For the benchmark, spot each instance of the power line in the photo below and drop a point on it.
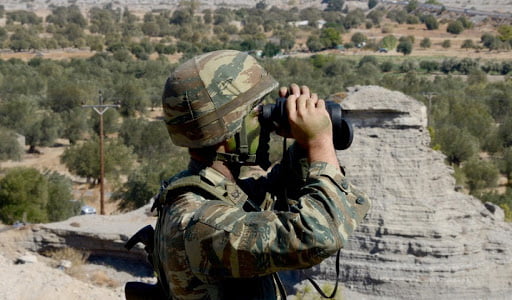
(101, 108)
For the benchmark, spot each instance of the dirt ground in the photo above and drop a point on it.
(41, 279)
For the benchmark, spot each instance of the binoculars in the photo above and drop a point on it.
(273, 116)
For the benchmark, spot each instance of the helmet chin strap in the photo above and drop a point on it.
(241, 156)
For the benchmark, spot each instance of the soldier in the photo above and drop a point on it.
(219, 236)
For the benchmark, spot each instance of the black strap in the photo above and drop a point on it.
(280, 286)
(319, 290)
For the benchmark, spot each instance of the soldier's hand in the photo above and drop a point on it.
(311, 125)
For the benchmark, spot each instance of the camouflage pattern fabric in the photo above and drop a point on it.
(206, 98)
(206, 248)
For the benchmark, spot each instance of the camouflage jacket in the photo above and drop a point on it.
(211, 248)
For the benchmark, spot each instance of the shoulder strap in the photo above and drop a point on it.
(193, 183)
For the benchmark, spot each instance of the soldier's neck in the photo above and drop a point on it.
(222, 168)
(204, 158)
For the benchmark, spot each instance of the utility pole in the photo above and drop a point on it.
(101, 108)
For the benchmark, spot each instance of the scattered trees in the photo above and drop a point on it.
(40, 96)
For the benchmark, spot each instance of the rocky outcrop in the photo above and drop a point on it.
(97, 235)
(422, 239)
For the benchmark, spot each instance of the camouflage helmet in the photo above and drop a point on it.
(206, 98)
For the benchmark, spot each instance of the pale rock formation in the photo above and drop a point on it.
(421, 239)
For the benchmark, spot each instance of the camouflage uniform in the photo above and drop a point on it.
(215, 249)
(217, 239)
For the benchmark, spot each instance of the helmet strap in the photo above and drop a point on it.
(234, 158)
(241, 154)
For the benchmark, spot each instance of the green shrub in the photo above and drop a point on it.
(480, 174)
(28, 195)
(455, 27)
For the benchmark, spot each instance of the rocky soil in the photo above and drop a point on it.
(96, 266)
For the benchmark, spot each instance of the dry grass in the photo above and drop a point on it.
(79, 268)
(76, 257)
(99, 278)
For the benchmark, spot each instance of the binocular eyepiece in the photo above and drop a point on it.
(275, 115)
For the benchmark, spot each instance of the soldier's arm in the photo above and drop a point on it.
(224, 241)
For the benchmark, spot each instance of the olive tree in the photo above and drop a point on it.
(9, 146)
(23, 194)
(480, 174)
(404, 47)
(84, 159)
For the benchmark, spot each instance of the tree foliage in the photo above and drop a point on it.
(59, 205)
(26, 194)
(23, 195)
(389, 42)
(425, 43)
(84, 159)
(404, 47)
(372, 3)
(505, 32)
(9, 146)
(431, 22)
(455, 27)
(458, 144)
(480, 174)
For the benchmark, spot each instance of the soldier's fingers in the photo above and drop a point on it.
(320, 104)
(311, 102)
(302, 102)
(283, 92)
(304, 90)
(294, 90)
(314, 98)
(291, 105)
